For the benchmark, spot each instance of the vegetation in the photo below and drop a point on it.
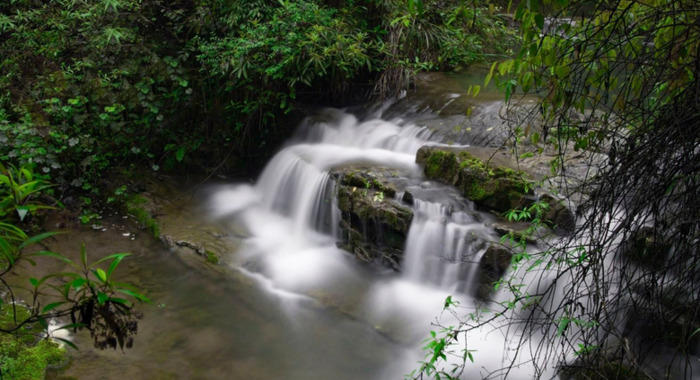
(99, 87)
(620, 78)
(86, 293)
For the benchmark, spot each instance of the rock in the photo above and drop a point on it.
(647, 247)
(492, 267)
(518, 229)
(559, 217)
(374, 224)
(485, 182)
(407, 198)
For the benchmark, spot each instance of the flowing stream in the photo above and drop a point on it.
(287, 303)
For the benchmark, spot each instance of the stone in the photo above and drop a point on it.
(492, 266)
(647, 247)
(559, 217)
(487, 183)
(374, 224)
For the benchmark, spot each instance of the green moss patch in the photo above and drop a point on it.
(21, 356)
(496, 187)
(136, 207)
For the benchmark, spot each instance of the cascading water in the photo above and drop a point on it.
(292, 219)
(444, 247)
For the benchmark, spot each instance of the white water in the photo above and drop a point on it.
(292, 219)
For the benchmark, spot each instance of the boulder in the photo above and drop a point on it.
(558, 217)
(492, 267)
(647, 247)
(374, 224)
(488, 184)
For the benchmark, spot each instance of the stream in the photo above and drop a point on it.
(285, 302)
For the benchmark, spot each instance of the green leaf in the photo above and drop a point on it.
(136, 295)
(50, 254)
(52, 306)
(101, 274)
(102, 298)
(83, 255)
(118, 258)
(180, 154)
(110, 257)
(22, 211)
(35, 239)
(539, 20)
(78, 282)
(119, 300)
(563, 324)
(67, 343)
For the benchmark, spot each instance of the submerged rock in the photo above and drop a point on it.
(374, 225)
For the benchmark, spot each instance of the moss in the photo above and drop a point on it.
(442, 165)
(21, 357)
(135, 208)
(212, 257)
(366, 181)
(495, 187)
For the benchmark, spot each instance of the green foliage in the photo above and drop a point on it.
(20, 192)
(83, 89)
(89, 294)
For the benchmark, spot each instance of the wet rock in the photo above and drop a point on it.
(647, 247)
(519, 230)
(559, 217)
(492, 267)
(407, 198)
(374, 225)
(485, 182)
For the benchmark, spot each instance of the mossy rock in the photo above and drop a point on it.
(374, 225)
(362, 179)
(495, 187)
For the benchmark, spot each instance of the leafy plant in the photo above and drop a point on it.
(20, 192)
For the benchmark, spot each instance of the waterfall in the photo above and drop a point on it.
(292, 217)
(444, 247)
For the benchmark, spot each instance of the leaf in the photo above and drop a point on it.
(109, 257)
(83, 255)
(102, 298)
(37, 238)
(100, 274)
(539, 20)
(52, 306)
(136, 295)
(67, 343)
(119, 300)
(563, 324)
(180, 154)
(78, 282)
(22, 211)
(50, 254)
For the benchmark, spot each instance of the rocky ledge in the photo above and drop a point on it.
(492, 180)
(374, 224)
